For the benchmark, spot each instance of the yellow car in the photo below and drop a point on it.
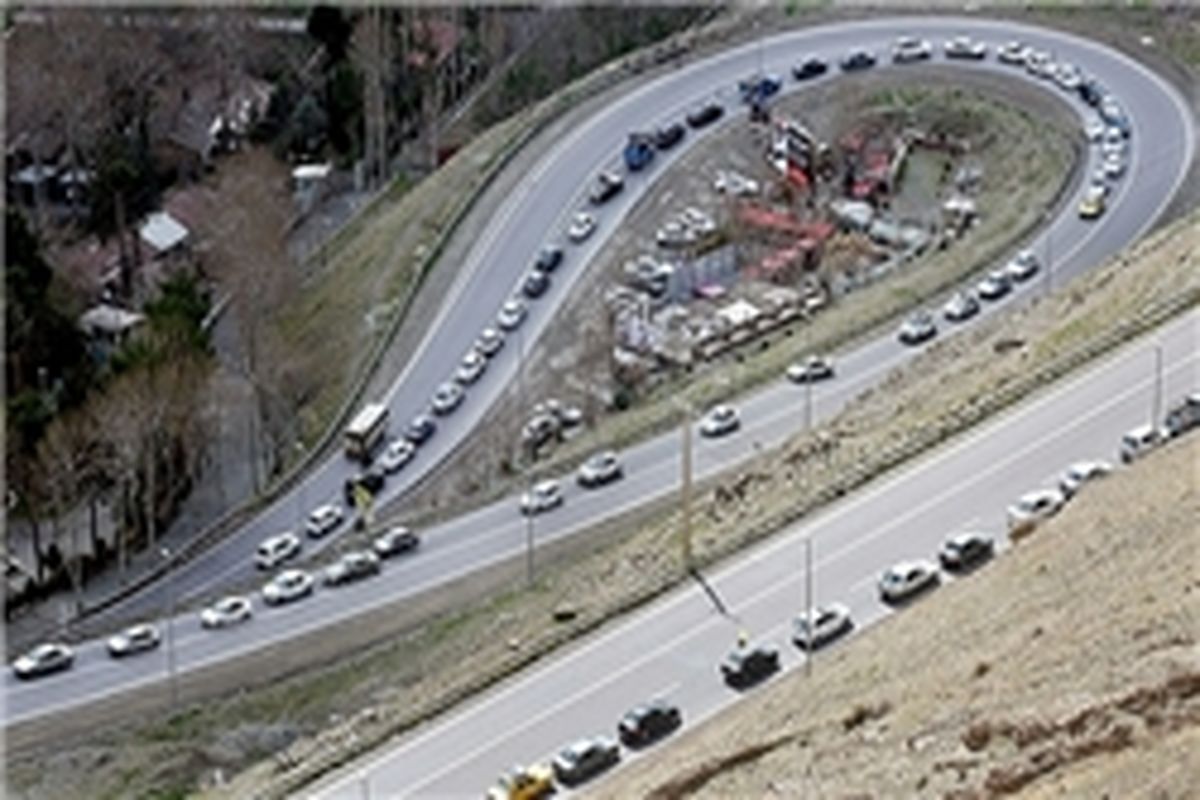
(524, 783)
(1092, 205)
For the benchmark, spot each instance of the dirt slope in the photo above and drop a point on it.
(1069, 667)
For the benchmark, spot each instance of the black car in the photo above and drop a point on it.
(858, 60)
(549, 257)
(648, 723)
(1091, 92)
(668, 136)
(396, 541)
(372, 480)
(747, 666)
(706, 114)
(420, 429)
(809, 68)
(608, 185)
(965, 550)
(585, 758)
(535, 284)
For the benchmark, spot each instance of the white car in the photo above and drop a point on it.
(675, 233)
(1012, 53)
(1082, 472)
(910, 48)
(582, 226)
(448, 397)
(1034, 507)
(699, 222)
(995, 285)
(826, 623)
(226, 612)
(1141, 440)
(964, 47)
(395, 541)
(1094, 131)
(601, 468)
(396, 455)
(274, 551)
(961, 307)
(719, 421)
(1068, 77)
(289, 585)
(512, 314)
(489, 342)
(811, 370)
(1114, 165)
(907, 579)
(735, 184)
(1023, 266)
(917, 328)
(544, 496)
(44, 659)
(134, 639)
(470, 368)
(322, 520)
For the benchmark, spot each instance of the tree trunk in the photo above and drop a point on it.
(36, 533)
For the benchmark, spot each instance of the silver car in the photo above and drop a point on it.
(600, 469)
(825, 624)
(512, 314)
(352, 566)
(43, 660)
(448, 397)
(544, 496)
(489, 342)
(226, 612)
(719, 421)
(1034, 507)
(288, 586)
(1082, 472)
(470, 368)
(907, 579)
(135, 639)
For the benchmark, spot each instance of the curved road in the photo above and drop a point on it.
(1162, 145)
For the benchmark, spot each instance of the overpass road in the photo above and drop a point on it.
(1162, 146)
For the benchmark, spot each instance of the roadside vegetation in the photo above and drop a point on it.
(297, 727)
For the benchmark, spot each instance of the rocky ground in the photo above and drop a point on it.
(1068, 667)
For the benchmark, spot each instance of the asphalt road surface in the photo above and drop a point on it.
(672, 648)
(1161, 148)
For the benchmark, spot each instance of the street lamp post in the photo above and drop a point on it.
(808, 603)
(529, 511)
(174, 687)
(1156, 409)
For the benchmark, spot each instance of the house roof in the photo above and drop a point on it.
(162, 231)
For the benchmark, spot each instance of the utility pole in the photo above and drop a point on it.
(808, 603)
(529, 512)
(1156, 410)
(174, 686)
(686, 488)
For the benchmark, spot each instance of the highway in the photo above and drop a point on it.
(1162, 148)
(672, 648)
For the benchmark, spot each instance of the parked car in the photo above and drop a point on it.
(396, 541)
(1068, 77)
(1034, 507)
(448, 397)
(705, 114)
(648, 723)
(470, 368)
(524, 783)
(396, 455)
(746, 666)
(548, 258)
(323, 519)
(964, 47)
(966, 550)
(758, 88)
(1093, 204)
(668, 136)
(43, 660)
(420, 429)
(133, 640)
(858, 60)
(489, 342)
(513, 312)
(810, 68)
(995, 285)
(607, 186)
(908, 49)
(1090, 91)
(825, 624)
(1023, 266)
(288, 586)
(583, 759)
(582, 226)
(961, 307)
(736, 184)
(543, 496)
(1082, 472)
(371, 479)
(276, 550)
(1141, 440)
(1114, 166)
(1183, 415)
(600, 469)
(352, 566)
(918, 328)
(1012, 52)
(226, 612)
(719, 421)
(907, 579)
(811, 370)
(535, 284)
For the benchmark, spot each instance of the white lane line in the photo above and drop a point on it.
(785, 541)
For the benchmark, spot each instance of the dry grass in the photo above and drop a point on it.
(1081, 677)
